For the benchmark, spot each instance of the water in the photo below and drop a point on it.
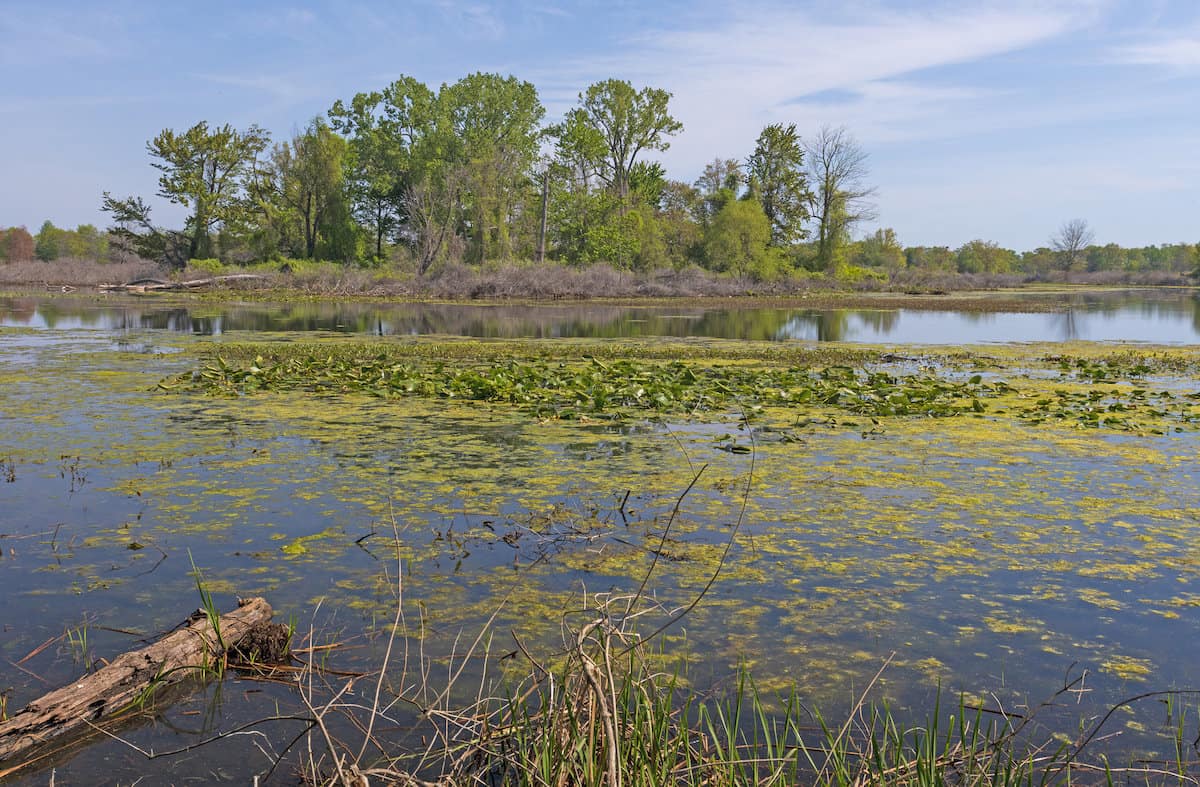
(1156, 316)
(988, 556)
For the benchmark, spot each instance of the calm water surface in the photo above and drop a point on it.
(983, 557)
(1163, 317)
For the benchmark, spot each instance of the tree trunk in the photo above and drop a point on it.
(188, 652)
(541, 252)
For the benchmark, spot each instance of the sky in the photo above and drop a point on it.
(982, 119)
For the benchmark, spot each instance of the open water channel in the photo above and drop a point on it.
(979, 555)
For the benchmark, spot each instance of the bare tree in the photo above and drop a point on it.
(837, 172)
(1072, 238)
(431, 204)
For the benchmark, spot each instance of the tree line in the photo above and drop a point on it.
(470, 172)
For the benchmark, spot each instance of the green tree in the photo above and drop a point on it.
(629, 122)
(87, 243)
(206, 171)
(718, 185)
(134, 233)
(388, 130)
(574, 177)
(1109, 257)
(880, 249)
(737, 239)
(308, 186)
(930, 258)
(980, 256)
(837, 172)
(777, 180)
(49, 243)
(682, 235)
(494, 121)
(1039, 262)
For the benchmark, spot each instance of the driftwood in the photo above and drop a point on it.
(158, 285)
(126, 682)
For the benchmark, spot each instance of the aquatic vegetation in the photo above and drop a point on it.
(989, 549)
(602, 389)
(615, 387)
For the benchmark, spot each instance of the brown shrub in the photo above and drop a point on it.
(78, 273)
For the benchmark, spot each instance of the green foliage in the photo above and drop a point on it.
(433, 176)
(979, 256)
(211, 266)
(49, 243)
(720, 183)
(853, 274)
(303, 197)
(837, 170)
(495, 122)
(627, 122)
(596, 389)
(881, 249)
(777, 180)
(737, 238)
(207, 171)
(135, 233)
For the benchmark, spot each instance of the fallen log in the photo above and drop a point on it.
(154, 285)
(189, 652)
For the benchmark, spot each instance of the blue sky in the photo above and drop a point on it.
(989, 119)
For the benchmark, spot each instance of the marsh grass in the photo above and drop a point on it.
(603, 715)
(601, 711)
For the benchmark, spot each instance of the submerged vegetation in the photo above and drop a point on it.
(977, 519)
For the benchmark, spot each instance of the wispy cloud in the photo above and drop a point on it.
(31, 36)
(475, 19)
(733, 72)
(1178, 52)
(285, 89)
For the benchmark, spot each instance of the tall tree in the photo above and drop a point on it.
(204, 170)
(777, 180)
(308, 175)
(837, 172)
(574, 172)
(49, 242)
(719, 184)
(1072, 238)
(495, 124)
(385, 128)
(628, 122)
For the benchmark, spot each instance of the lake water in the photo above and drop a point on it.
(1157, 316)
(983, 555)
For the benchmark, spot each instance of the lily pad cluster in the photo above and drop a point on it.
(603, 389)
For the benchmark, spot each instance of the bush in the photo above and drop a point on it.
(212, 267)
(856, 274)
